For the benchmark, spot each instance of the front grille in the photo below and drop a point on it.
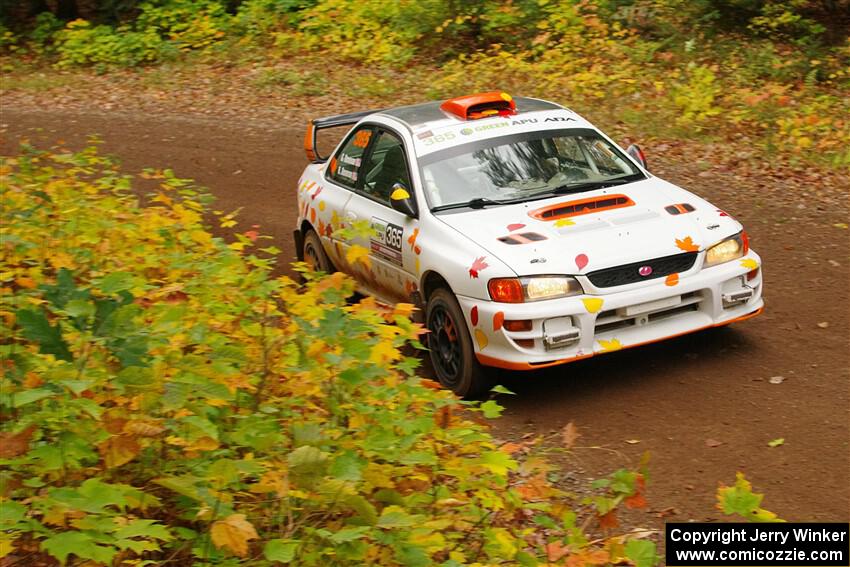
(632, 273)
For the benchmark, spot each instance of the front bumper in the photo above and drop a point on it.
(572, 328)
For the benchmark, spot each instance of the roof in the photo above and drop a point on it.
(419, 114)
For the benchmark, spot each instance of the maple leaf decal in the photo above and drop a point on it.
(687, 244)
(412, 238)
(478, 265)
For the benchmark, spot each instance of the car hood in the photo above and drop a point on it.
(629, 223)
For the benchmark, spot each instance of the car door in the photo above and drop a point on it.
(391, 242)
(342, 176)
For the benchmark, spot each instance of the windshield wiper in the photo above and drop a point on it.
(600, 184)
(477, 203)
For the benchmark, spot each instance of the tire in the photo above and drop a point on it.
(314, 253)
(450, 347)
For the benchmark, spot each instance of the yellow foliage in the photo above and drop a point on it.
(233, 533)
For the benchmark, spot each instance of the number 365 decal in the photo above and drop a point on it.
(386, 240)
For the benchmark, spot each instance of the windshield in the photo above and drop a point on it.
(523, 167)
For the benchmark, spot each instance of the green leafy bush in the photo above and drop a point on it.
(164, 397)
(79, 43)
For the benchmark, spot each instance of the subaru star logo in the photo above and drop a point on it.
(645, 270)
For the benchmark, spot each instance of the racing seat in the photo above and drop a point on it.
(393, 170)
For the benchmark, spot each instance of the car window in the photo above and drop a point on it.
(385, 166)
(524, 166)
(344, 168)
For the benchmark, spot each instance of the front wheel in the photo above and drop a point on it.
(450, 346)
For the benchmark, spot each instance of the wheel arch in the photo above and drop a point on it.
(432, 281)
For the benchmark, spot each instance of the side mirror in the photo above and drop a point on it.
(638, 155)
(402, 201)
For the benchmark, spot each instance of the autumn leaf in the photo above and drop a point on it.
(118, 450)
(357, 253)
(569, 435)
(143, 428)
(443, 417)
(478, 265)
(687, 244)
(635, 501)
(588, 558)
(233, 533)
(14, 444)
(556, 550)
(609, 520)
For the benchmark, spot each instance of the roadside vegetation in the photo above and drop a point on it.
(166, 401)
(771, 77)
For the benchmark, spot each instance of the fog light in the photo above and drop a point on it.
(525, 343)
(752, 274)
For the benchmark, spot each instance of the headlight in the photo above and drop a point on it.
(728, 250)
(532, 288)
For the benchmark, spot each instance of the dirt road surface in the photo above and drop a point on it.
(703, 405)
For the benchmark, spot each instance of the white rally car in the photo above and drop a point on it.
(526, 235)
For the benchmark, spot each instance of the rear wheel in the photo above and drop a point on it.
(450, 346)
(314, 254)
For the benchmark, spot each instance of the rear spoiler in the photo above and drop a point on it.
(317, 124)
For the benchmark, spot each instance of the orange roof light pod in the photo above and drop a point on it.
(481, 105)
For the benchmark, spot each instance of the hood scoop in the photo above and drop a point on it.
(581, 207)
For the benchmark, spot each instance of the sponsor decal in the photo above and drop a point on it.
(349, 160)
(385, 241)
(348, 173)
(483, 127)
(361, 138)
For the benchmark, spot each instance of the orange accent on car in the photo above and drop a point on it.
(581, 207)
(480, 105)
(498, 320)
(361, 138)
(508, 365)
(506, 290)
(745, 239)
(308, 143)
(517, 325)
